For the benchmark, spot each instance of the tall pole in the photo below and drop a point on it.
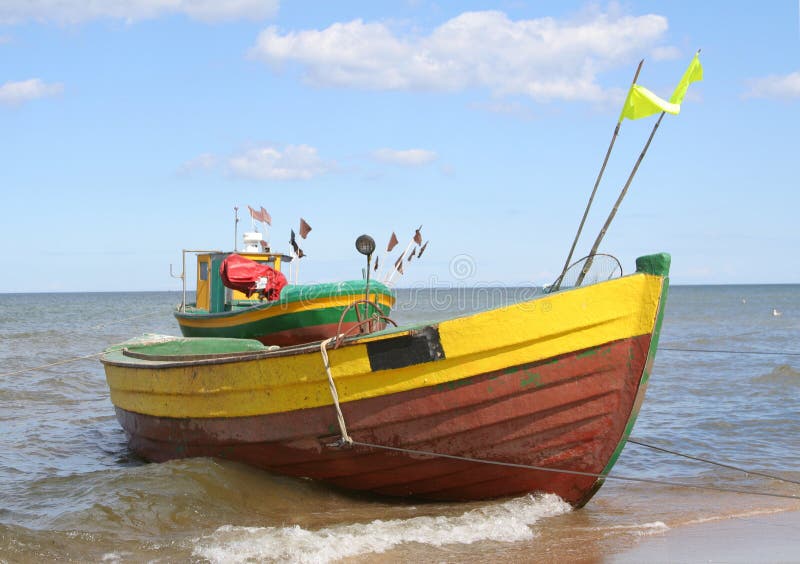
(594, 190)
(235, 228)
(366, 294)
(624, 191)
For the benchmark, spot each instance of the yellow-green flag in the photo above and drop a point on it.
(641, 103)
(692, 74)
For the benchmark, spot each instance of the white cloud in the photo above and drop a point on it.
(206, 161)
(15, 93)
(514, 109)
(294, 162)
(775, 86)
(665, 53)
(542, 58)
(408, 157)
(77, 11)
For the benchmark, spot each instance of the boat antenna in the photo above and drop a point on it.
(235, 228)
(594, 190)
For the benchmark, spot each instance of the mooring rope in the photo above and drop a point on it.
(714, 462)
(50, 365)
(722, 351)
(571, 472)
(118, 346)
(77, 358)
(101, 325)
(323, 349)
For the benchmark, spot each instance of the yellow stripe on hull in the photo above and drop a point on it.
(246, 316)
(532, 331)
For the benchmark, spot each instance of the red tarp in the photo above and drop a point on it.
(242, 274)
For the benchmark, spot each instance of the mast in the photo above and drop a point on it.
(594, 190)
(624, 191)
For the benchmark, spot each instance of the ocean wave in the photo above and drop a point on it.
(781, 374)
(509, 521)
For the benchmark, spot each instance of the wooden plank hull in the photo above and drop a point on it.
(563, 413)
(303, 314)
(555, 382)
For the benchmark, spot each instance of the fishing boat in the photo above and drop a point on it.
(260, 303)
(535, 396)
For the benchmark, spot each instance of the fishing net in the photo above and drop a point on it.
(588, 270)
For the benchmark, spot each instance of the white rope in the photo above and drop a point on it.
(106, 324)
(43, 366)
(573, 472)
(323, 349)
(143, 340)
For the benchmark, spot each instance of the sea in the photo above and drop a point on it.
(725, 388)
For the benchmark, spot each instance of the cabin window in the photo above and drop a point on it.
(203, 271)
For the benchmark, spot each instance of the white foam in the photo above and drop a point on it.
(508, 521)
(739, 515)
(652, 528)
(638, 529)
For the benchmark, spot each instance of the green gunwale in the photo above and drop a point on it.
(192, 347)
(274, 324)
(297, 293)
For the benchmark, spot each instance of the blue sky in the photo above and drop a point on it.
(130, 130)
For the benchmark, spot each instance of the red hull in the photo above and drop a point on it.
(568, 413)
(310, 334)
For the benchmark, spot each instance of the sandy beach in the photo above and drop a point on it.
(762, 537)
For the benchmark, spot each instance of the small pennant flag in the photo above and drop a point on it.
(692, 74)
(642, 103)
(398, 266)
(297, 250)
(265, 217)
(255, 214)
(392, 243)
(377, 260)
(304, 228)
(412, 255)
(422, 249)
(418, 236)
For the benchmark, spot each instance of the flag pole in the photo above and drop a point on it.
(390, 275)
(624, 191)
(235, 228)
(594, 190)
(383, 260)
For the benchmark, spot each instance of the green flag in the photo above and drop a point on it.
(692, 74)
(641, 103)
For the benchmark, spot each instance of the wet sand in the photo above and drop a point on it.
(770, 538)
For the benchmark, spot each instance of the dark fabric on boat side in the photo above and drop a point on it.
(421, 346)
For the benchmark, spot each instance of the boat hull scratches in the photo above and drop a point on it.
(566, 413)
